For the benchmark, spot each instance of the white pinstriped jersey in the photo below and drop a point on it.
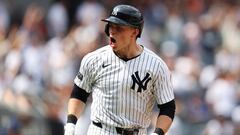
(124, 92)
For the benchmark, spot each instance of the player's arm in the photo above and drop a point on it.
(76, 105)
(165, 118)
(77, 101)
(165, 98)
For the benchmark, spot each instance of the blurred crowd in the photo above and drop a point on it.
(40, 53)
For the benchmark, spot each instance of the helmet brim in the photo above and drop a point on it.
(115, 20)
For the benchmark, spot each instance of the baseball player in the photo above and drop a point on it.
(125, 79)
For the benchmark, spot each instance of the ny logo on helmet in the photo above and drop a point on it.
(115, 12)
(142, 84)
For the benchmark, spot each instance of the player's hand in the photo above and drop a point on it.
(69, 129)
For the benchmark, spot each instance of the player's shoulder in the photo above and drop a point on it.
(156, 58)
(152, 55)
(96, 54)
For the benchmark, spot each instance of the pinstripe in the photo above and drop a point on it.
(126, 105)
(140, 68)
(114, 87)
(131, 113)
(115, 103)
(137, 98)
(123, 96)
(117, 87)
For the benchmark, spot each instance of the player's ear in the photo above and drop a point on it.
(135, 33)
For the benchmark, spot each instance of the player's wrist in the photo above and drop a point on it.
(70, 125)
(72, 119)
(158, 131)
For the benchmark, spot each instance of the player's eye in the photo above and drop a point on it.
(117, 28)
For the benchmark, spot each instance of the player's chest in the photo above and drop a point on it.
(118, 76)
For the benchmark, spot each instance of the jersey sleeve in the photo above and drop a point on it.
(84, 77)
(163, 88)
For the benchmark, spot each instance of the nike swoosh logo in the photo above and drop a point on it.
(103, 65)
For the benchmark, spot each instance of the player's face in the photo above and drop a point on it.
(121, 36)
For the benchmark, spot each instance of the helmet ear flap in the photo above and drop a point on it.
(107, 29)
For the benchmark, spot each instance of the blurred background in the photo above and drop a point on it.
(42, 44)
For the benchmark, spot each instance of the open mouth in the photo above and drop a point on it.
(112, 42)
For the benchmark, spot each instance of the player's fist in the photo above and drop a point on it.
(69, 129)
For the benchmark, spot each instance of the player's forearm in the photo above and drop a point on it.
(75, 107)
(165, 117)
(77, 101)
(164, 123)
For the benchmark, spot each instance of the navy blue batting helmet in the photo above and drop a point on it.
(125, 15)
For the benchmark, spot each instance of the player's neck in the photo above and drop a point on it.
(129, 52)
